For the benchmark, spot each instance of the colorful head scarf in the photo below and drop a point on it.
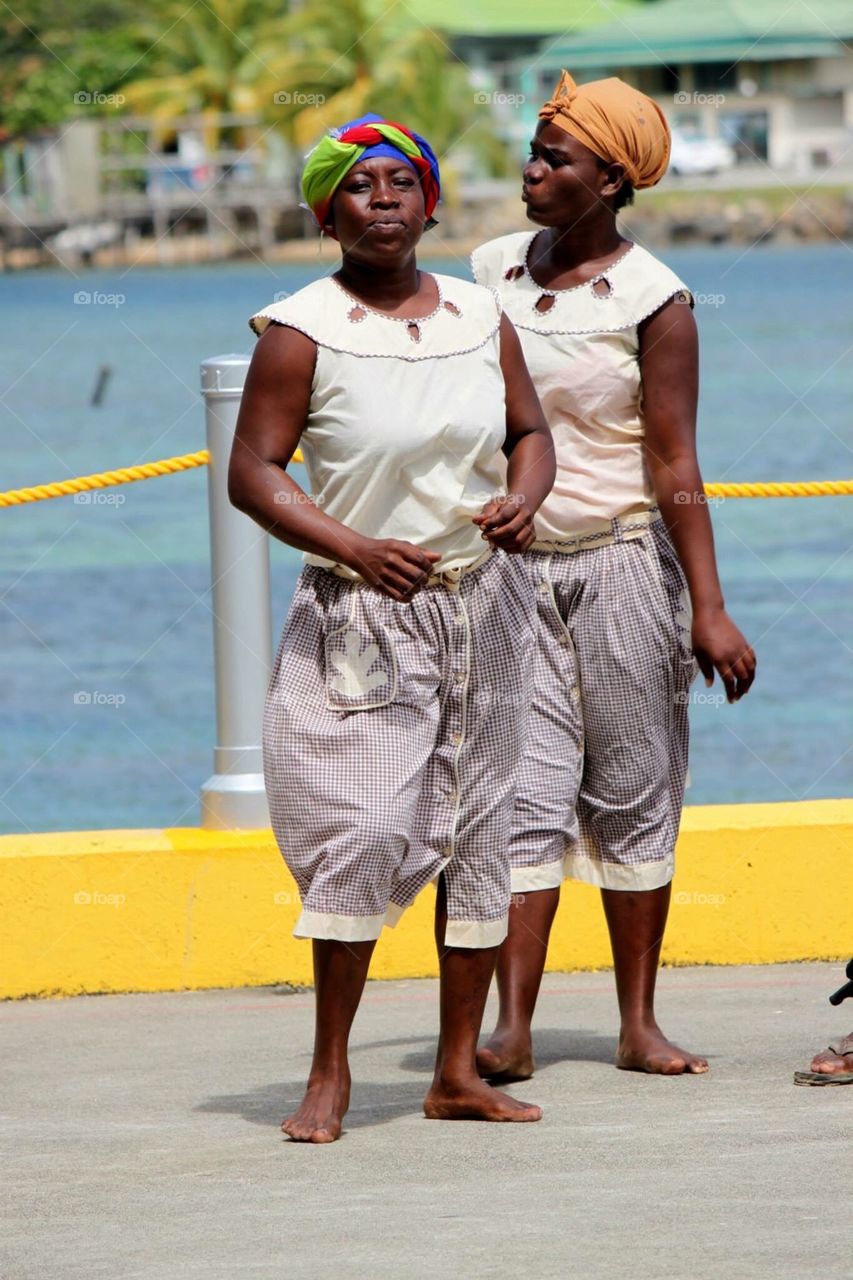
(615, 121)
(333, 157)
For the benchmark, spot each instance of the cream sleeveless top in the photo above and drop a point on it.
(583, 356)
(405, 423)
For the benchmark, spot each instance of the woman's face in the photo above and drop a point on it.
(378, 211)
(562, 180)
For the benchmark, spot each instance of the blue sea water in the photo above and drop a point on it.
(112, 597)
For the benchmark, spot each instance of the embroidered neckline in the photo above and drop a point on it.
(412, 325)
(648, 287)
(521, 323)
(585, 284)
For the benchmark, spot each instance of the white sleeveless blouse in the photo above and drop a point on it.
(583, 356)
(405, 425)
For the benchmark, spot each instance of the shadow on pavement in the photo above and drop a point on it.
(371, 1103)
(551, 1045)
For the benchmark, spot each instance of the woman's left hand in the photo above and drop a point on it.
(507, 523)
(720, 646)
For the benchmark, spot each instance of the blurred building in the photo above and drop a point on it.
(772, 78)
(502, 43)
(88, 184)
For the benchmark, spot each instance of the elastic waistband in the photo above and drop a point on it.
(447, 578)
(619, 529)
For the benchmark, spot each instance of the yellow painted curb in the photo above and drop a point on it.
(158, 910)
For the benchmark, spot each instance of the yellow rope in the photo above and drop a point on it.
(103, 479)
(165, 467)
(781, 489)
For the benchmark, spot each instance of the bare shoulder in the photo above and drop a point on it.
(281, 351)
(673, 323)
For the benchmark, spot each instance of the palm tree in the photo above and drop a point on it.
(345, 62)
(323, 62)
(206, 59)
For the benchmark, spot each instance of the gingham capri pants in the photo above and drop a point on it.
(601, 784)
(391, 743)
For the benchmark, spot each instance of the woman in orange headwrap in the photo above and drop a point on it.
(624, 555)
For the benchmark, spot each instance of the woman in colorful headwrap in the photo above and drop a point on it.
(391, 735)
(623, 548)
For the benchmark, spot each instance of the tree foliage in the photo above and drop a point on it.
(299, 69)
(51, 50)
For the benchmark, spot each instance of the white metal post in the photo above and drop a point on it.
(234, 797)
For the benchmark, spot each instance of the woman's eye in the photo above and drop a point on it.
(548, 158)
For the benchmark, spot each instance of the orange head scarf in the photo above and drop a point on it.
(615, 121)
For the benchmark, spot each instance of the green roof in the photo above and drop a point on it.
(673, 31)
(512, 17)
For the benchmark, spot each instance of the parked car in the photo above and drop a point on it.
(696, 153)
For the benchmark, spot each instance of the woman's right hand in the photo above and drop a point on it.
(719, 646)
(397, 569)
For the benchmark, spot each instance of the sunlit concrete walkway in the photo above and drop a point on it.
(141, 1139)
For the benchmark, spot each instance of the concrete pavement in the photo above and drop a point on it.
(141, 1140)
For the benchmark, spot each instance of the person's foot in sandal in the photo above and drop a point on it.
(833, 1066)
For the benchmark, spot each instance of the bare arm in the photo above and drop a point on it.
(272, 418)
(669, 360)
(508, 522)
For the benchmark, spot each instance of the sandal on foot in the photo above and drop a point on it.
(843, 1049)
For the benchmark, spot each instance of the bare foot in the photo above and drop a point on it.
(647, 1049)
(474, 1100)
(831, 1063)
(320, 1116)
(507, 1056)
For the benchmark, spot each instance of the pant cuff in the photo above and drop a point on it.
(475, 933)
(394, 915)
(616, 875)
(317, 924)
(592, 870)
(548, 875)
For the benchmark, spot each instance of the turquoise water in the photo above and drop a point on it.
(112, 598)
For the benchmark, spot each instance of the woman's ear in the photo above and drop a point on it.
(614, 177)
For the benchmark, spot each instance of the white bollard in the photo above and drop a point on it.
(234, 797)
